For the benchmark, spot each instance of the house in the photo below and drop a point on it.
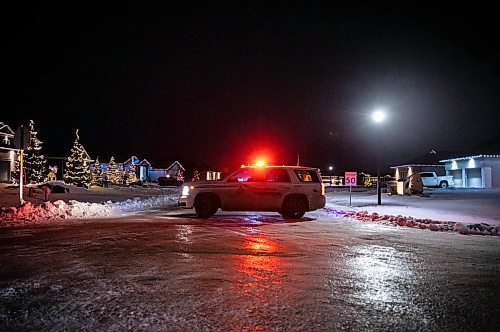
(425, 163)
(170, 172)
(478, 167)
(142, 167)
(204, 171)
(144, 170)
(475, 171)
(8, 153)
(428, 162)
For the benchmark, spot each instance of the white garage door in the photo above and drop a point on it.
(474, 178)
(4, 171)
(457, 178)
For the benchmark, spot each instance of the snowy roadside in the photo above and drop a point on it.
(39, 213)
(434, 214)
(81, 203)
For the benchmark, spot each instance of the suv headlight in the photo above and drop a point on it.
(185, 190)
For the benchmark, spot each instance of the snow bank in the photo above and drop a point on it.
(32, 213)
(420, 223)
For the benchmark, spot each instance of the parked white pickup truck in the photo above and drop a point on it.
(430, 179)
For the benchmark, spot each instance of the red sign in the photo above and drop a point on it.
(351, 179)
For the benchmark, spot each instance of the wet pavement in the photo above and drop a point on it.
(167, 270)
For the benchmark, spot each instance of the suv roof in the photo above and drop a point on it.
(278, 166)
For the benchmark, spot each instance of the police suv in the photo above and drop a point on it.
(289, 190)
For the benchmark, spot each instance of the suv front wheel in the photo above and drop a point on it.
(205, 205)
(293, 207)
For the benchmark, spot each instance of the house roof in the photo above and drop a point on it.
(6, 138)
(473, 157)
(6, 130)
(176, 162)
(144, 162)
(417, 165)
(131, 160)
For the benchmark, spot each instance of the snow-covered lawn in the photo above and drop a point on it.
(467, 211)
(81, 203)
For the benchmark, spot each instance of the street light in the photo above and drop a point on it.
(330, 168)
(378, 117)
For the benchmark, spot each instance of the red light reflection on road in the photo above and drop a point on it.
(261, 265)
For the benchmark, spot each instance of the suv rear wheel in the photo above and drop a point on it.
(293, 207)
(205, 206)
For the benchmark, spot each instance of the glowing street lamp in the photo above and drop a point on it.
(378, 117)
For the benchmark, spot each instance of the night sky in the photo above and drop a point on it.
(222, 85)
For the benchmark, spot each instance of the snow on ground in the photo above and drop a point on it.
(467, 211)
(82, 203)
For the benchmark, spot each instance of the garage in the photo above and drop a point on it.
(474, 178)
(4, 171)
(457, 177)
(478, 171)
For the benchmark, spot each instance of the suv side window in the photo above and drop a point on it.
(307, 175)
(426, 175)
(241, 176)
(249, 175)
(278, 175)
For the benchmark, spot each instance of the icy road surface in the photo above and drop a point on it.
(169, 271)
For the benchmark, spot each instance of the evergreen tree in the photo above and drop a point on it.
(180, 175)
(15, 172)
(96, 173)
(132, 177)
(196, 176)
(119, 174)
(77, 170)
(112, 170)
(34, 160)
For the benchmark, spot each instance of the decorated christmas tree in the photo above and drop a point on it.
(77, 169)
(132, 177)
(34, 160)
(196, 176)
(112, 171)
(119, 174)
(180, 175)
(15, 172)
(96, 173)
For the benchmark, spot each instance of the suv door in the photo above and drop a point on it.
(272, 191)
(241, 192)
